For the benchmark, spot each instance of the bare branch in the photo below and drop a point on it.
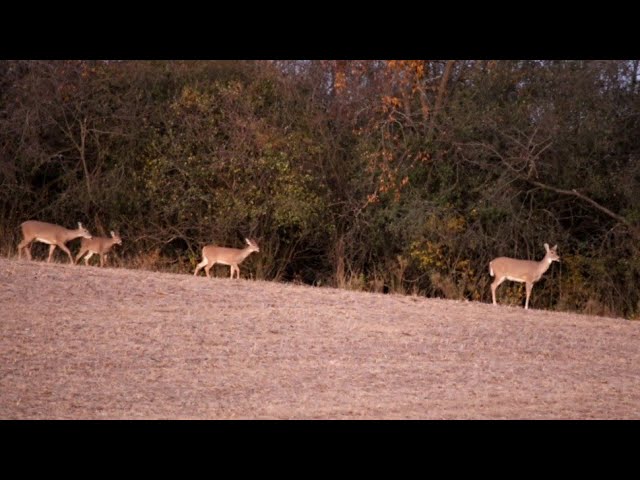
(575, 193)
(442, 90)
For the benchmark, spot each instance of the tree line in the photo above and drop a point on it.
(389, 176)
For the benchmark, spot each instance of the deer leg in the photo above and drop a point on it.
(526, 303)
(496, 283)
(207, 268)
(22, 245)
(64, 248)
(52, 247)
(79, 256)
(199, 266)
(102, 260)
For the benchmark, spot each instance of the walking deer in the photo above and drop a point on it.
(527, 271)
(99, 246)
(53, 235)
(226, 256)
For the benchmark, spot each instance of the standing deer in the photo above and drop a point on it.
(53, 235)
(98, 245)
(226, 256)
(527, 271)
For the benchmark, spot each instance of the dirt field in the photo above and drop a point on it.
(81, 342)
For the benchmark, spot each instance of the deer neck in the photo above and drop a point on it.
(544, 264)
(72, 235)
(245, 253)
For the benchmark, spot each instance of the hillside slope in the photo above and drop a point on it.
(83, 342)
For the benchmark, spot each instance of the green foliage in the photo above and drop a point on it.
(402, 176)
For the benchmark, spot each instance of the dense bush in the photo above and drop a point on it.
(395, 176)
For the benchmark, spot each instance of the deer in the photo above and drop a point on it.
(98, 245)
(527, 271)
(212, 254)
(51, 234)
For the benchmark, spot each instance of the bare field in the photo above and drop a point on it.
(81, 342)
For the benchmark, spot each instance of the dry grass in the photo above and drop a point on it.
(90, 343)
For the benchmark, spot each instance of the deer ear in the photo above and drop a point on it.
(79, 225)
(113, 234)
(546, 247)
(555, 247)
(248, 241)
